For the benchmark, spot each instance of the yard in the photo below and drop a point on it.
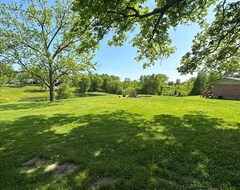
(107, 142)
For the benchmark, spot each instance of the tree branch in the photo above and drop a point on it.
(63, 73)
(58, 29)
(31, 47)
(161, 10)
(221, 38)
(61, 48)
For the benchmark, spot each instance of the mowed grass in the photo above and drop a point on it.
(151, 143)
(22, 94)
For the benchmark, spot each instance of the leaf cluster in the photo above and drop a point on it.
(218, 46)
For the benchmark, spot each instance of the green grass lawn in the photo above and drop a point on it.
(22, 94)
(151, 143)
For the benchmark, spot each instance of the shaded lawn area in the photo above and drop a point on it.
(157, 151)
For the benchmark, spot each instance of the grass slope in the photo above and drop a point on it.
(22, 94)
(147, 143)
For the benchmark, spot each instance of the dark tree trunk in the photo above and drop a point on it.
(51, 92)
(51, 83)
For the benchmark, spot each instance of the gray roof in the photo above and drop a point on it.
(232, 78)
(229, 78)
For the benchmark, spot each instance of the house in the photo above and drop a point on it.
(227, 88)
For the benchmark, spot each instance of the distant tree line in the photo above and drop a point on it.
(155, 84)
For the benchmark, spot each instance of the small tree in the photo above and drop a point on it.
(200, 84)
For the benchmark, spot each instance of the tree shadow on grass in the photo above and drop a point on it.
(167, 152)
(26, 105)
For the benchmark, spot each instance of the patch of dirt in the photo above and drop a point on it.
(103, 181)
(61, 169)
(33, 164)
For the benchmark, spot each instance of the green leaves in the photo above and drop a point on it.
(217, 47)
(150, 24)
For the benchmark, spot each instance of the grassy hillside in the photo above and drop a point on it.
(122, 143)
(22, 93)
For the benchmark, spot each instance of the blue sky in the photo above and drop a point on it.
(120, 60)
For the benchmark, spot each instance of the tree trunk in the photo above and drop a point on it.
(51, 84)
(51, 92)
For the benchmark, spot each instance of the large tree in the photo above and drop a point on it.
(151, 20)
(46, 39)
(153, 84)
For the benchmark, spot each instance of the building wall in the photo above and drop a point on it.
(226, 91)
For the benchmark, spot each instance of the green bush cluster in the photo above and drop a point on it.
(63, 91)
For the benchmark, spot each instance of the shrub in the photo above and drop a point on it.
(63, 91)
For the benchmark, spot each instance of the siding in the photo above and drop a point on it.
(226, 91)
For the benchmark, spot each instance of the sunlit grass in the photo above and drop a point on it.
(22, 93)
(144, 143)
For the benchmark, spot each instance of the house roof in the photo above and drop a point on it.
(233, 79)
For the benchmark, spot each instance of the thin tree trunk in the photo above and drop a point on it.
(51, 84)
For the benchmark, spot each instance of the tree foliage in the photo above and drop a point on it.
(84, 83)
(44, 39)
(7, 73)
(152, 25)
(153, 84)
(96, 83)
(200, 84)
(218, 46)
(215, 48)
(63, 91)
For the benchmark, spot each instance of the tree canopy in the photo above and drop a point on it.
(152, 28)
(218, 46)
(44, 39)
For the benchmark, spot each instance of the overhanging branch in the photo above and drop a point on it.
(136, 14)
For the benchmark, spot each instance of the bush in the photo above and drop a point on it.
(63, 91)
(128, 90)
